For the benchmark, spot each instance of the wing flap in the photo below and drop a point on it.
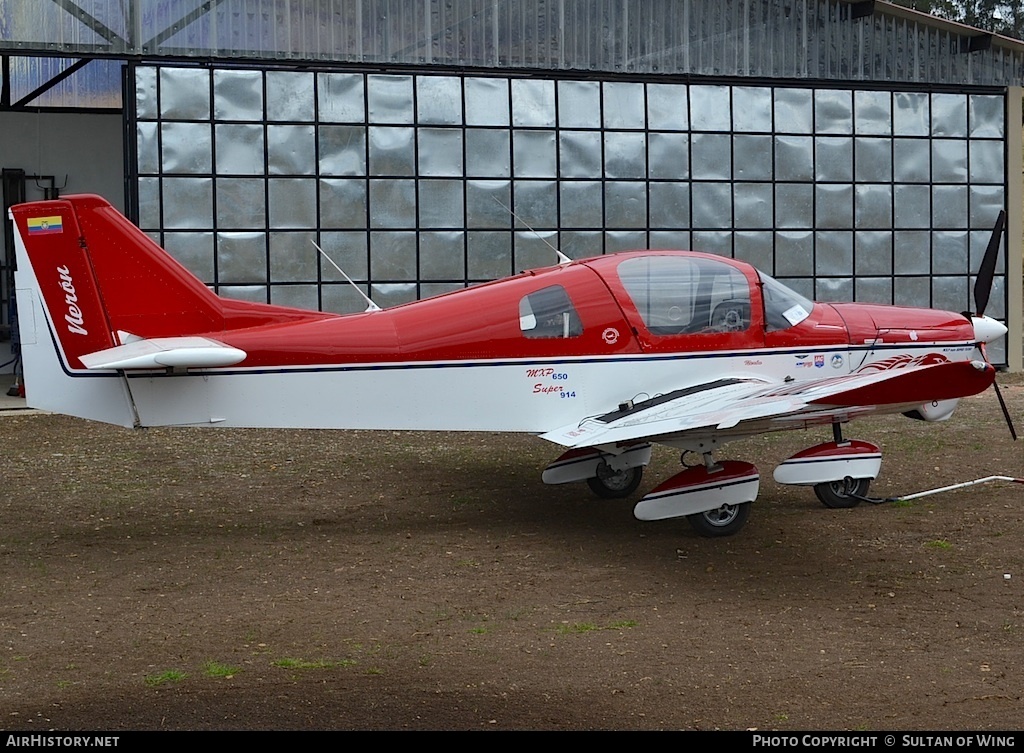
(164, 353)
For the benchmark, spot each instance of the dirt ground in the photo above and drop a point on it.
(227, 579)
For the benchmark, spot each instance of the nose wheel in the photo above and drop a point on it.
(722, 521)
(841, 494)
(612, 484)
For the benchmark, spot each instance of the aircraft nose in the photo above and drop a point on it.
(987, 329)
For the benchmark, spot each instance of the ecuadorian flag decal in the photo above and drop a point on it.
(44, 225)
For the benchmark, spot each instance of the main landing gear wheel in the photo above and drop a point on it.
(722, 521)
(841, 494)
(612, 484)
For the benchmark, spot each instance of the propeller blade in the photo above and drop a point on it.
(986, 272)
(1006, 413)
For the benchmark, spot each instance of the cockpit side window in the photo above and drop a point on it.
(687, 295)
(783, 308)
(548, 313)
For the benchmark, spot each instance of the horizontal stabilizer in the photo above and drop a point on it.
(164, 353)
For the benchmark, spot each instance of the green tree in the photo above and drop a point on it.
(1004, 17)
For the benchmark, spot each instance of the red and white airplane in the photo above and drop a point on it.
(600, 356)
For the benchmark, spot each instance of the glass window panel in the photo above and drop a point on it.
(393, 294)
(951, 293)
(753, 157)
(581, 204)
(290, 96)
(874, 290)
(533, 102)
(297, 296)
(188, 203)
(145, 92)
(237, 95)
(532, 250)
(441, 203)
(794, 253)
(910, 116)
(341, 98)
(711, 242)
(873, 206)
(913, 206)
(668, 155)
(239, 149)
(489, 254)
(912, 160)
(995, 306)
(912, 291)
(624, 105)
(794, 111)
(487, 101)
(579, 102)
(348, 249)
(711, 156)
(949, 115)
(833, 289)
(389, 98)
(184, 94)
(392, 203)
(625, 155)
(293, 258)
(241, 257)
(194, 250)
(674, 240)
(241, 203)
(439, 100)
(986, 201)
(342, 298)
(986, 160)
(872, 113)
(752, 108)
(580, 244)
(252, 293)
(872, 252)
(949, 160)
(392, 256)
(666, 107)
(794, 205)
(579, 154)
(534, 154)
(986, 116)
(392, 151)
(291, 203)
(669, 205)
(440, 151)
(711, 205)
(834, 205)
(755, 248)
(625, 204)
(488, 203)
(430, 289)
(442, 255)
(912, 252)
(873, 159)
(488, 153)
(342, 150)
(147, 147)
(710, 108)
(833, 111)
(950, 252)
(625, 240)
(949, 206)
(186, 148)
(342, 203)
(834, 253)
(536, 203)
(833, 158)
(291, 150)
(794, 158)
(149, 203)
(753, 205)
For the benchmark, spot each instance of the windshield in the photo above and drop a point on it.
(783, 308)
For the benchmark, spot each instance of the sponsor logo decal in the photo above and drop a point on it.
(837, 361)
(45, 225)
(819, 362)
(74, 316)
(610, 335)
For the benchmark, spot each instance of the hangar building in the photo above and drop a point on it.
(855, 150)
